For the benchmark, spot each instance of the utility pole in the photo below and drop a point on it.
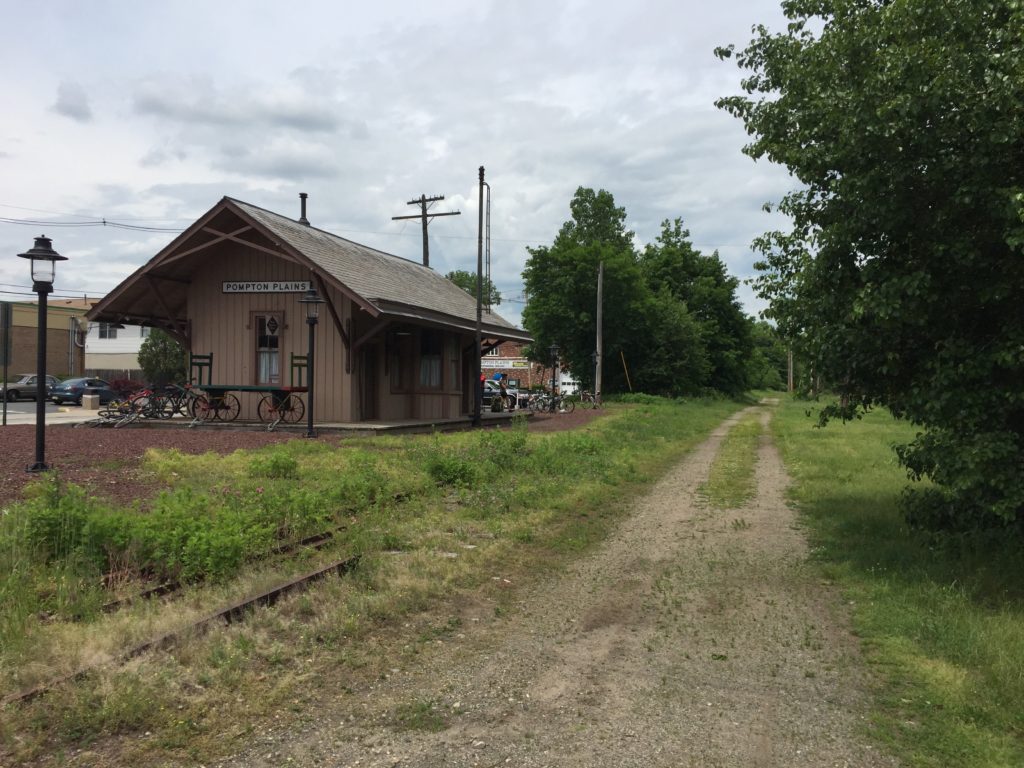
(599, 351)
(425, 218)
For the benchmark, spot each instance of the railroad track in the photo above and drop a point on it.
(229, 614)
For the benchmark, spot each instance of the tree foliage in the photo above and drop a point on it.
(704, 286)
(901, 279)
(162, 359)
(769, 361)
(670, 314)
(467, 282)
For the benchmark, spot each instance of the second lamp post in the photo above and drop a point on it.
(44, 265)
(312, 301)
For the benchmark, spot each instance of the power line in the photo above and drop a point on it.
(92, 223)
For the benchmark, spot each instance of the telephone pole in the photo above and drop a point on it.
(599, 351)
(425, 218)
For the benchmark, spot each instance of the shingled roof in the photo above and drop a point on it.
(379, 282)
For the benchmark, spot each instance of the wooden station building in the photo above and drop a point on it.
(395, 340)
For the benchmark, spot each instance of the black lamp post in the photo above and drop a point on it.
(554, 362)
(44, 264)
(311, 299)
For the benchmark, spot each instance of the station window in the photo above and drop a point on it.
(399, 357)
(431, 348)
(268, 349)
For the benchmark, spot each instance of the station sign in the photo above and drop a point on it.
(265, 286)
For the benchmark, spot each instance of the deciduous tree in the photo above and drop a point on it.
(467, 282)
(708, 291)
(162, 359)
(900, 281)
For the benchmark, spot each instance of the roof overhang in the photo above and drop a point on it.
(399, 312)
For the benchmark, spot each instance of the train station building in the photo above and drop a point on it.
(395, 340)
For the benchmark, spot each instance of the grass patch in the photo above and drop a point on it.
(420, 716)
(941, 620)
(730, 482)
(429, 530)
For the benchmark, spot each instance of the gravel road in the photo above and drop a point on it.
(693, 637)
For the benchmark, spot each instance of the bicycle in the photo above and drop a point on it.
(537, 402)
(151, 405)
(588, 400)
(551, 404)
(562, 404)
(184, 399)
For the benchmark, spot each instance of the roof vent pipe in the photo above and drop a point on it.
(302, 216)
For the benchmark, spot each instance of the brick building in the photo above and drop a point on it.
(64, 357)
(508, 357)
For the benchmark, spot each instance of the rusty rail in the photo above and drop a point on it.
(229, 614)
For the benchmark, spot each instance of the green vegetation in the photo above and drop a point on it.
(162, 359)
(670, 310)
(899, 283)
(731, 479)
(941, 621)
(431, 517)
(467, 282)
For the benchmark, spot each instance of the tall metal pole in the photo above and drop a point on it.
(6, 313)
(600, 350)
(478, 394)
(42, 289)
(309, 377)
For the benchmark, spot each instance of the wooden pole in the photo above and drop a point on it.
(600, 315)
(626, 369)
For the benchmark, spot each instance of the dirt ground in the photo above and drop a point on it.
(106, 461)
(693, 637)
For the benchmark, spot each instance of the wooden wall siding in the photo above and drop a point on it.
(221, 324)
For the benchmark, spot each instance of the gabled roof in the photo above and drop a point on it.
(378, 282)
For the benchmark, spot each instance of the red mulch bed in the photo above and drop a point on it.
(106, 461)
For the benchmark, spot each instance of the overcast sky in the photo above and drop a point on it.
(148, 113)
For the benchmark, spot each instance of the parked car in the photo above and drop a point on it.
(25, 387)
(71, 391)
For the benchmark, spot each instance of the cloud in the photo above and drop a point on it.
(197, 101)
(365, 109)
(72, 102)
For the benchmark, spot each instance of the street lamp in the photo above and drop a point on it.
(312, 301)
(554, 362)
(44, 264)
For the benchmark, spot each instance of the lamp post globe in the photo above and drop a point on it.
(44, 266)
(311, 301)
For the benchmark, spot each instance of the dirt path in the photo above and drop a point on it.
(693, 637)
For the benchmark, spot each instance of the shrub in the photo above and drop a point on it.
(125, 387)
(54, 516)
